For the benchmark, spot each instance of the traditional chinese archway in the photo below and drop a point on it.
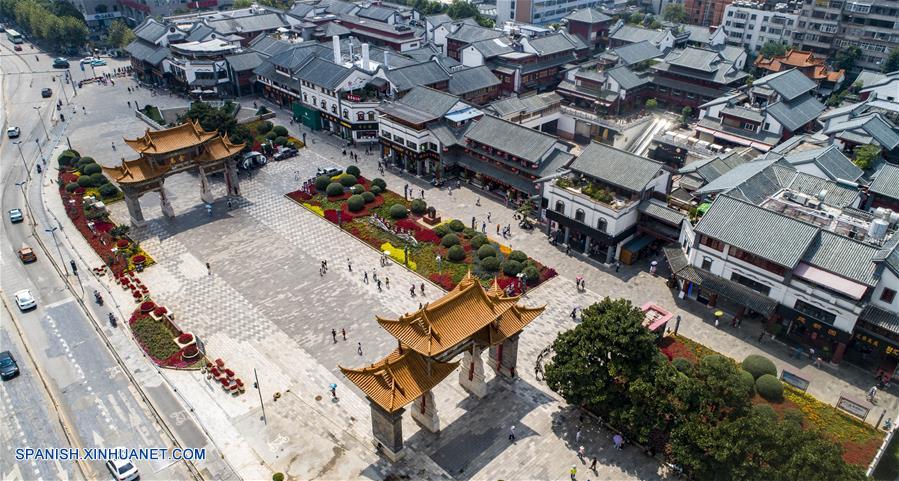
(171, 151)
(467, 320)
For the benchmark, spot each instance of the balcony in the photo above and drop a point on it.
(596, 193)
(592, 117)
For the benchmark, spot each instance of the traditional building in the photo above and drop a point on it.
(591, 25)
(813, 67)
(691, 77)
(467, 320)
(171, 151)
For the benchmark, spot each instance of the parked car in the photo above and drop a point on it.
(329, 171)
(252, 159)
(17, 48)
(60, 62)
(285, 153)
(46, 92)
(122, 470)
(25, 300)
(16, 216)
(13, 132)
(26, 255)
(98, 62)
(8, 367)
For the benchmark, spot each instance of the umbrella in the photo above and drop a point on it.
(719, 313)
(333, 386)
(654, 263)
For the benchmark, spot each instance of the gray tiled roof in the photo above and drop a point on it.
(339, 7)
(551, 44)
(438, 19)
(588, 15)
(743, 113)
(296, 57)
(837, 195)
(774, 237)
(199, 32)
(244, 61)
(532, 103)
(872, 125)
(637, 52)
(150, 30)
(830, 160)
(881, 318)
(626, 78)
(869, 77)
(146, 52)
(737, 176)
(380, 14)
(300, 10)
(796, 113)
(323, 73)
(331, 29)
(250, 23)
(789, 84)
(731, 52)
(843, 256)
(492, 47)
(698, 34)
(426, 73)
(633, 34)
(694, 58)
(428, 100)
(473, 33)
(886, 182)
(514, 139)
(471, 79)
(268, 46)
(616, 167)
(889, 254)
(661, 212)
(446, 135)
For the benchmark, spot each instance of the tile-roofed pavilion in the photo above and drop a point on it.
(166, 141)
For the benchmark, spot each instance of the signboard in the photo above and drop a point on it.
(854, 406)
(794, 380)
(102, 16)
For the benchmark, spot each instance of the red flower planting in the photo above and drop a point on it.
(159, 311)
(299, 196)
(185, 338)
(427, 235)
(138, 259)
(331, 216)
(147, 306)
(443, 280)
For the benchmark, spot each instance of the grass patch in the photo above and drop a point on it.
(153, 112)
(156, 338)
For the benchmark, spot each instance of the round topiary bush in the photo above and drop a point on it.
(280, 130)
(770, 388)
(518, 256)
(456, 253)
(531, 273)
(357, 189)
(86, 160)
(486, 250)
(478, 240)
(353, 170)
(271, 136)
(469, 232)
(71, 186)
(764, 410)
(374, 189)
(280, 140)
(682, 364)
(355, 203)
(108, 190)
(99, 179)
(85, 181)
(264, 127)
(747, 380)
(348, 180)
(334, 188)
(321, 183)
(380, 183)
(759, 365)
(368, 197)
(418, 207)
(490, 264)
(278, 477)
(67, 158)
(398, 211)
(456, 225)
(449, 240)
(442, 230)
(92, 168)
(511, 267)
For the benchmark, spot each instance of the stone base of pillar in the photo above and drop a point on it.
(503, 357)
(138, 222)
(389, 454)
(424, 412)
(387, 428)
(471, 377)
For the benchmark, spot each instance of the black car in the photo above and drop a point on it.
(8, 367)
(46, 93)
(285, 153)
(60, 62)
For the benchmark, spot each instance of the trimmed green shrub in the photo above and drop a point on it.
(280, 130)
(759, 365)
(71, 186)
(449, 240)
(353, 170)
(321, 183)
(67, 158)
(793, 415)
(682, 364)
(380, 183)
(271, 136)
(108, 190)
(469, 232)
(478, 240)
(85, 181)
(99, 179)
(457, 225)
(86, 160)
(764, 410)
(355, 203)
(770, 388)
(486, 250)
(348, 180)
(368, 197)
(92, 168)
(334, 188)
(456, 253)
(442, 230)
(278, 477)
(264, 127)
(511, 267)
(418, 206)
(280, 140)
(374, 189)
(357, 189)
(748, 380)
(398, 211)
(490, 264)
(518, 256)
(531, 273)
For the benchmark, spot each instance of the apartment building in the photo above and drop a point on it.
(753, 24)
(539, 12)
(705, 12)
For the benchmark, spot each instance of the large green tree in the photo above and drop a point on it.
(773, 49)
(891, 64)
(119, 34)
(715, 389)
(674, 12)
(866, 155)
(846, 57)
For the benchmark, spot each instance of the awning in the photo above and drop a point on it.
(677, 260)
(830, 281)
(881, 318)
(634, 245)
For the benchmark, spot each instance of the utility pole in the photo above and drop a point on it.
(43, 160)
(62, 263)
(62, 87)
(261, 404)
(38, 108)
(18, 144)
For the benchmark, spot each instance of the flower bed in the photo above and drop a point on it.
(158, 339)
(859, 440)
(423, 256)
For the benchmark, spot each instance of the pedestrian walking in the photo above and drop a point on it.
(129, 104)
(483, 227)
(567, 249)
(577, 436)
(818, 362)
(617, 265)
(113, 146)
(488, 216)
(387, 282)
(573, 472)
(512, 433)
(379, 286)
(422, 286)
(422, 193)
(593, 464)
(333, 388)
(359, 348)
(365, 277)
(761, 336)
(872, 393)
(343, 333)
(473, 221)
(618, 440)
(573, 317)
(412, 290)
(497, 229)
(580, 453)
(208, 269)
(334, 335)
(349, 264)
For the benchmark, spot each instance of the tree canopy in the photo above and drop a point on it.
(118, 34)
(846, 57)
(891, 64)
(866, 155)
(674, 12)
(220, 119)
(773, 49)
(61, 25)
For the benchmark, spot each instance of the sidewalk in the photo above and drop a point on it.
(632, 282)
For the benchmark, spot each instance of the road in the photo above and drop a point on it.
(100, 402)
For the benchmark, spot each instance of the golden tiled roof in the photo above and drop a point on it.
(399, 378)
(461, 313)
(812, 66)
(219, 148)
(136, 171)
(165, 141)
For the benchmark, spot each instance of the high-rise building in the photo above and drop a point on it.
(539, 12)
(753, 24)
(705, 12)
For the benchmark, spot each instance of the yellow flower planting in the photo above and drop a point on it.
(314, 208)
(397, 254)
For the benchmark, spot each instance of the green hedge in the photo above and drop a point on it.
(758, 365)
(357, 189)
(280, 130)
(478, 240)
(264, 127)
(487, 251)
(511, 267)
(449, 240)
(355, 203)
(748, 380)
(353, 170)
(348, 180)
(99, 179)
(374, 189)
(108, 190)
(398, 211)
(333, 189)
(770, 388)
(85, 181)
(456, 253)
(380, 183)
(532, 274)
(682, 364)
(442, 230)
(518, 256)
(321, 183)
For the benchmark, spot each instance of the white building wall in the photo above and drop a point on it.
(751, 27)
(888, 280)
(616, 221)
(471, 57)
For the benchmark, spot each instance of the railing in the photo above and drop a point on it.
(669, 139)
(616, 124)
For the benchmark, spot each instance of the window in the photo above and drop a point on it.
(560, 207)
(814, 312)
(360, 116)
(305, 99)
(314, 101)
(333, 109)
(707, 263)
(888, 295)
(602, 225)
(324, 105)
(754, 285)
(579, 215)
(371, 116)
(346, 114)
(386, 134)
(713, 243)
(757, 261)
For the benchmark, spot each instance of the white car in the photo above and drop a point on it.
(13, 132)
(122, 470)
(25, 300)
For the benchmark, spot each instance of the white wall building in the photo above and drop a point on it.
(748, 25)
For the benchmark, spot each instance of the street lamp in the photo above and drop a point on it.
(38, 108)
(18, 143)
(52, 231)
(38, 143)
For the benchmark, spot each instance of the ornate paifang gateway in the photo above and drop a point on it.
(171, 151)
(465, 321)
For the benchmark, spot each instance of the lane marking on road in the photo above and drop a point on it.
(58, 303)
